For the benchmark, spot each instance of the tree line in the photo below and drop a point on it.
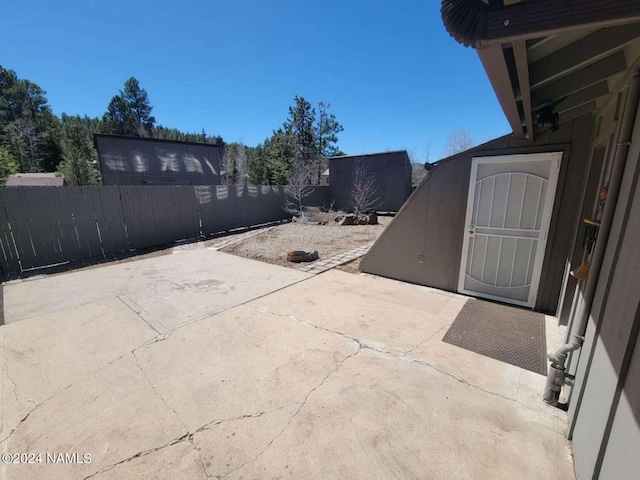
(34, 139)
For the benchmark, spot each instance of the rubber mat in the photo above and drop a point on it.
(511, 335)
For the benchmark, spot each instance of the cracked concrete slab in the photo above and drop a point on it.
(45, 354)
(395, 318)
(178, 461)
(391, 316)
(337, 376)
(167, 291)
(113, 414)
(239, 362)
(386, 417)
(231, 445)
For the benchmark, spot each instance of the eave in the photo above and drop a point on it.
(548, 55)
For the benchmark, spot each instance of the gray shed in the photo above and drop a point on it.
(147, 161)
(392, 171)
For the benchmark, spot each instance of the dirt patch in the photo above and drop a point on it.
(272, 246)
(352, 267)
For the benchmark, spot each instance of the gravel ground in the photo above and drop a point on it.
(328, 240)
(352, 267)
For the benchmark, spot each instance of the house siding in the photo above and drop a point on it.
(604, 404)
(423, 243)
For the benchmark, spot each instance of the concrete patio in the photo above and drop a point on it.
(205, 365)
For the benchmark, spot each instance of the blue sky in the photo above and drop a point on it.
(393, 76)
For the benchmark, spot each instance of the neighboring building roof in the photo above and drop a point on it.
(35, 180)
(326, 172)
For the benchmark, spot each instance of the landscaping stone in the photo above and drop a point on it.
(298, 256)
(349, 219)
(352, 219)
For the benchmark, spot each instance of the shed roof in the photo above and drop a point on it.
(35, 180)
(391, 152)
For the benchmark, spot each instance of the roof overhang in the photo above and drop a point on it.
(549, 60)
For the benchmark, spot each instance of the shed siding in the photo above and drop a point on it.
(392, 172)
(431, 223)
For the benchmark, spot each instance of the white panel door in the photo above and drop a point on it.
(507, 223)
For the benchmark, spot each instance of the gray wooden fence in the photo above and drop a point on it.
(44, 226)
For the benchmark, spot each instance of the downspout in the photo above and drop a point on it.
(556, 376)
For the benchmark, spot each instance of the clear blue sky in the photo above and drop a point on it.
(393, 76)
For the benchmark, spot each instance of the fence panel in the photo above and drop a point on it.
(42, 226)
(82, 202)
(10, 259)
(33, 216)
(109, 218)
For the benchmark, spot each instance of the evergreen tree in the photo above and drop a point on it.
(129, 113)
(28, 128)
(119, 119)
(256, 165)
(300, 125)
(80, 159)
(304, 140)
(165, 133)
(8, 165)
(139, 105)
(326, 131)
(281, 151)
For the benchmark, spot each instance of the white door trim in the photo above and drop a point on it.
(556, 158)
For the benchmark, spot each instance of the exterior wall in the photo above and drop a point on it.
(142, 161)
(423, 243)
(604, 404)
(392, 171)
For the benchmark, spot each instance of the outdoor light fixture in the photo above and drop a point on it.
(547, 117)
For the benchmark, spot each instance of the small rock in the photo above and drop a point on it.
(348, 220)
(298, 256)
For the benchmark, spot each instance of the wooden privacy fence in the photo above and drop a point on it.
(43, 226)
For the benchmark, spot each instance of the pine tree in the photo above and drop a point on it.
(281, 151)
(300, 125)
(28, 128)
(326, 132)
(129, 113)
(79, 164)
(139, 105)
(119, 119)
(8, 165)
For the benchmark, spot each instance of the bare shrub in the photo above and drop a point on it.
(363, 193)
(297, 190)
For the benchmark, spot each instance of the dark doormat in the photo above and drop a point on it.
(511, 335)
